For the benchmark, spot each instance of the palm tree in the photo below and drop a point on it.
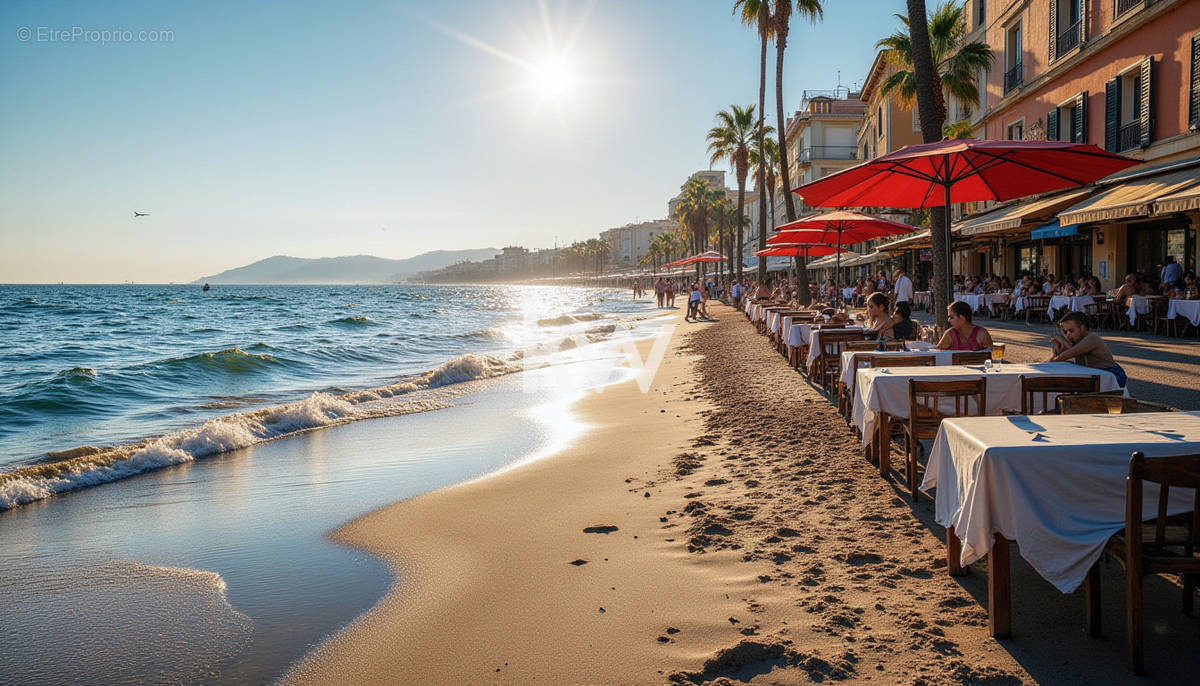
(694, 213)
(930, 49)
(781, 17)
(767, 169)
(956, 65)
(757, 13)
(730, 141)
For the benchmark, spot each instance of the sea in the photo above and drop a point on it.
(172, 460)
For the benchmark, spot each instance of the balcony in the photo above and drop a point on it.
(1130, 136)
(828, 152)
(1069, 39)
(1124, 6)
(1013, 77)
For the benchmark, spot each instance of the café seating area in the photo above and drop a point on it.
(1054, 456)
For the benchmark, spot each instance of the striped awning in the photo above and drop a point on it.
(1133, 198)
(1013, 215)
(1181, 201)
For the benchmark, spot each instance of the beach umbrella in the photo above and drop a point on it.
(837, 228)
(797, 250)
(962, 170)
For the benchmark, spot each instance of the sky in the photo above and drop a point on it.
(317, 129)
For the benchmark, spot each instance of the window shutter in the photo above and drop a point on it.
(1194, 100)
(1079, 133)
(1083, 4)
(1147, 96)
(1052, 124)
(1054, 29)
(1112, 114)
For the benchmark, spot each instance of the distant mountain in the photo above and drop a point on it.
(352, 269)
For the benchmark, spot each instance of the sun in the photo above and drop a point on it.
(553, 77)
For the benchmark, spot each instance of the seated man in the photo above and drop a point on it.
(1084, 347)
(1127, 289)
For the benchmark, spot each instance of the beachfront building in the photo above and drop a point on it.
(629, 244)
(821, 137)
(1123, 75)
(511, 261)
(715, 179)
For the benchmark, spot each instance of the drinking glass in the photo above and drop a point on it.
(998, 352)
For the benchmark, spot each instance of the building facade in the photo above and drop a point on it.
(1120, 74)
(629, 244)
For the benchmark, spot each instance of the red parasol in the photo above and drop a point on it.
(709, 256)
(837, 228)
(962, 170)
(797, 250)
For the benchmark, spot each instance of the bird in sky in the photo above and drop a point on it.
(137, 214)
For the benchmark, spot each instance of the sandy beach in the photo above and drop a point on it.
(721, 528)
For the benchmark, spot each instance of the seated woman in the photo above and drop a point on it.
(963, 334)
(903, 326)
(878, 320)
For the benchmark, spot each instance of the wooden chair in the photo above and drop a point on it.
(1107, 403)
(844, 399)
(927, 401)
(829, 364)
(1039, 305)
(1048, 386)
(1163, 546)
(1003, 310)
(1157, 314)
(970, 357)
(903, 361)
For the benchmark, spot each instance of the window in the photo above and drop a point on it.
(1066, 26)
(1016, 130)
(1128, 108)
(980, 13)
(879, 124)
(1013, 74)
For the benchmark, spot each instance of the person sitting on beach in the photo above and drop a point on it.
(1084, 347)
(903, 326)
(963, 334)
(877, 316)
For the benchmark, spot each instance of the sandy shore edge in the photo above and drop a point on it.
(491, 586)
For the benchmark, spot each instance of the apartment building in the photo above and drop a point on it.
(1120, 74)
(631, 242)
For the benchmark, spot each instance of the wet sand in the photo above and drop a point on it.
(722, 528)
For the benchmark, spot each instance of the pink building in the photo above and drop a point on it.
(1121, 74)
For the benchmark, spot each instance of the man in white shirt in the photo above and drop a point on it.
(904, 286)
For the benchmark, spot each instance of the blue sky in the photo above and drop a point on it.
(386, 128)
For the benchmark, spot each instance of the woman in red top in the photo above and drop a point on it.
(963, 334)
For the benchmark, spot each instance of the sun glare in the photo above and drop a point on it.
(552, 78)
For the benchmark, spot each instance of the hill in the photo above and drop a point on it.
(351, 269)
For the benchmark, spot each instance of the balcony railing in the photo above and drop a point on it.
(1124, 6)
(1130, 136)
(828, 152)
(1013, 77)
(1069, 39)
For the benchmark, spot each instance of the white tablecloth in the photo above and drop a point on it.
(975, 301)
(993, 299)
(1138, 305)
(1055, 483)
(921, 298)
(1185, 308)
(814, 341)
(887, 391)
(1070, 303)
(943, 357)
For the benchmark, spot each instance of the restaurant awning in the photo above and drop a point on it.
(1054, 230)
(831, 261)
(1133, 197)
(1181, 201)
(916, 240)
(864, 259)
(1013, 215)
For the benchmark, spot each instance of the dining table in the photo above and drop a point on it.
(1069, 303)
(1055, 484)
(1139, 305)
(851, 358)
(881, 393)
(1188, 309)
(812, 338)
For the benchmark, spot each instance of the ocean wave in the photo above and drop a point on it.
(353, 322)
(87, 466)
(229, 361)
(565, 319)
